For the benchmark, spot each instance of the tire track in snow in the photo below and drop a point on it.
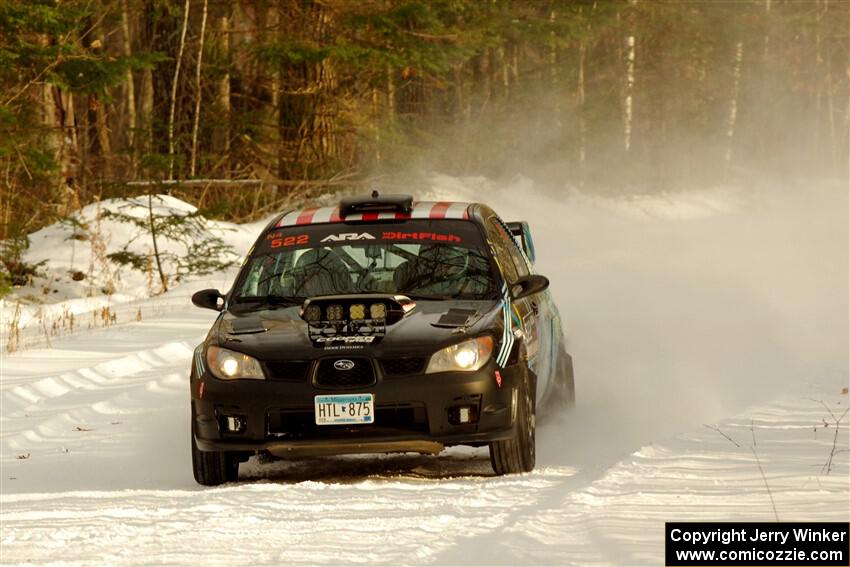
(111, 374)
(539, 518)
(695, 476)
(50, 407)
(370, 521)
(106, 424)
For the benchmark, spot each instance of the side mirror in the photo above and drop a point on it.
(529, 285)
(208, 299)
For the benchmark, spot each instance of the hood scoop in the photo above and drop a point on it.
(247, 325)
(454, 318)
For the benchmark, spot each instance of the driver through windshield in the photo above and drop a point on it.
(427, 259)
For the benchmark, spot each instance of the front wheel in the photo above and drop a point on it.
(212, 468)
(517, 455)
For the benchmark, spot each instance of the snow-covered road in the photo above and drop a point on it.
(735, 320)
(108, 478)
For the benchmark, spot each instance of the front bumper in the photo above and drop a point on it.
(415, 413)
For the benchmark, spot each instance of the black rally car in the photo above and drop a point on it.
(381, 325)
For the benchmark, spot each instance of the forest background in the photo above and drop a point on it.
(243, 107)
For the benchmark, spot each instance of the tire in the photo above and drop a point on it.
(517, 455)
(212, 468)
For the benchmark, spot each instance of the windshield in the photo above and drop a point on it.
(427, 259)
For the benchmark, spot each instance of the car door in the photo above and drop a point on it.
(525, 312)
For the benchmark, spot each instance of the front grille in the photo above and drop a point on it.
(401, 366)
(288, 370)
(389, 419)
(361, 374)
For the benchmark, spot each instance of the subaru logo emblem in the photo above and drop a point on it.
(344, 364)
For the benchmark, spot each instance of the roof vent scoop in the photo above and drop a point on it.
(376, 204)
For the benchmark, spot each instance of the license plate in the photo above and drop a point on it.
(345, 409)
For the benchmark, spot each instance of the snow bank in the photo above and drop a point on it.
(82, 287)
(82, 244)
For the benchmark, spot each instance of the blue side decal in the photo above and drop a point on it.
(199, 361)
(507, 333)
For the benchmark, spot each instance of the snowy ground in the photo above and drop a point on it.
(79, 288)
(723, 309)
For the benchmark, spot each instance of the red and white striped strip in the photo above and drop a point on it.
(425, 210)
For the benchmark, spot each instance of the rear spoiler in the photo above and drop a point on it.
(522, 234)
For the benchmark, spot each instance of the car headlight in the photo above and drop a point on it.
(466, 356)
(229, 365)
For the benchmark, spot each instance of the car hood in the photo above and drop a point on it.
(281, 334)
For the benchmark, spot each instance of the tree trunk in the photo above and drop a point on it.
(515, 63)
(390, 92)
(102, 129)
(630, 87)
(274, 25)
(82, 126)
(731, 122)
(459, 98)
(830, 109)
(129, 88)
(825, 62)
(767, 6)
(506, 77)
(65, 119)
(146, 110)
(221, 129)
(198, 93)
(376, 125)
(174, 85)
(816, 148)
(554, 77)
(325, 123)
(486, 75)
(152, 225)
(50, 115)
(582, 119)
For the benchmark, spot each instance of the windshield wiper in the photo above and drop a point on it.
(427, 297)
(437, 297)
(271, 300)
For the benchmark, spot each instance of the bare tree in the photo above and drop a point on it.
(221, 132)
(731, 121)
(198, 92)
(129, 87)
(630, 87)
(174, 85)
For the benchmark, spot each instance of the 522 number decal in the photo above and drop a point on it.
(281, 240)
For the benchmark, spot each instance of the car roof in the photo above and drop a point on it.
(420, 210)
